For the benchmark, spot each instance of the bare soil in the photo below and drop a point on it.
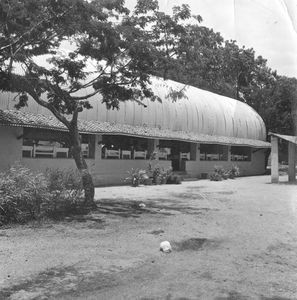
(235, 239)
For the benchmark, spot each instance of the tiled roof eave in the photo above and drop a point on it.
(29, 120)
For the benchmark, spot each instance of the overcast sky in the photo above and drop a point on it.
(268, 26)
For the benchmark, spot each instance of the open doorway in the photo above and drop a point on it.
(179, 153)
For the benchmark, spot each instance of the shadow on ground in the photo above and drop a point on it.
(275, 298)
(133, 208)
(195, 244)
(233, 295)
(58, 281)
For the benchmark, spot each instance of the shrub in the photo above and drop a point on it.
(22, 193)
(215, 176)
(137, 176)
(174, 179)
(153, 175)
(66, 192)
(220, 170)
(220, 173)
(159, 175)
(168, 173)
(26, 195)
(234, 172)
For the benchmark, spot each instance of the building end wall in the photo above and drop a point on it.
(10, 146)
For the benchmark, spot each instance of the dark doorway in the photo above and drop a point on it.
(176, 149)
(176, 162)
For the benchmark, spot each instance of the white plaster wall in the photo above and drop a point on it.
(42, 164)
(254, 167)
(10, 146)
(104, 171)
(114, 171)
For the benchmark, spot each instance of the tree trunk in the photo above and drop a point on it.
(82, 166)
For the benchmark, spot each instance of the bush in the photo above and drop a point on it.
(234, 172)
(220, 173)
(174, 179)
(158, 174)
(137, 176)
(22, 193)
(215, 176)
(152, 175)
(27, 195)
(66, 192)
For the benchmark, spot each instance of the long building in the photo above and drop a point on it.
(191, 134)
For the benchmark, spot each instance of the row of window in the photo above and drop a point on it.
(220, 152)
(53, 144)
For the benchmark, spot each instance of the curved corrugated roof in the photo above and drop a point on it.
(200, 112)
(199, 116)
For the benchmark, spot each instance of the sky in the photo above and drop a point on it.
(267, 26)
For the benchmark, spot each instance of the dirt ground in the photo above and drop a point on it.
(235, 239)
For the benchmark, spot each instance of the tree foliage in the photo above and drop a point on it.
(202, 58)
(63, 52)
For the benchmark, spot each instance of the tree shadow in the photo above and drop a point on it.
(134, 208)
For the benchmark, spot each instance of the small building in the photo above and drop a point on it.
(292, 142)
(191, 134)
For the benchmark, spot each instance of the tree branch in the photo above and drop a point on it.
(28, 32)
(21, 84)
(85, 97)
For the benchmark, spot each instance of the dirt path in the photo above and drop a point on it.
(235, 239)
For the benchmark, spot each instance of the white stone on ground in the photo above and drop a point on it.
(165, 247)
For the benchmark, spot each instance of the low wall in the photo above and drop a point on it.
(114, 171)
(254, 167)
(42, 164)
(104, 172)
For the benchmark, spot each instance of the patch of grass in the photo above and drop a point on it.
(194, 244)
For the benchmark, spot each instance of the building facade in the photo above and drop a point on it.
(191, 134)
